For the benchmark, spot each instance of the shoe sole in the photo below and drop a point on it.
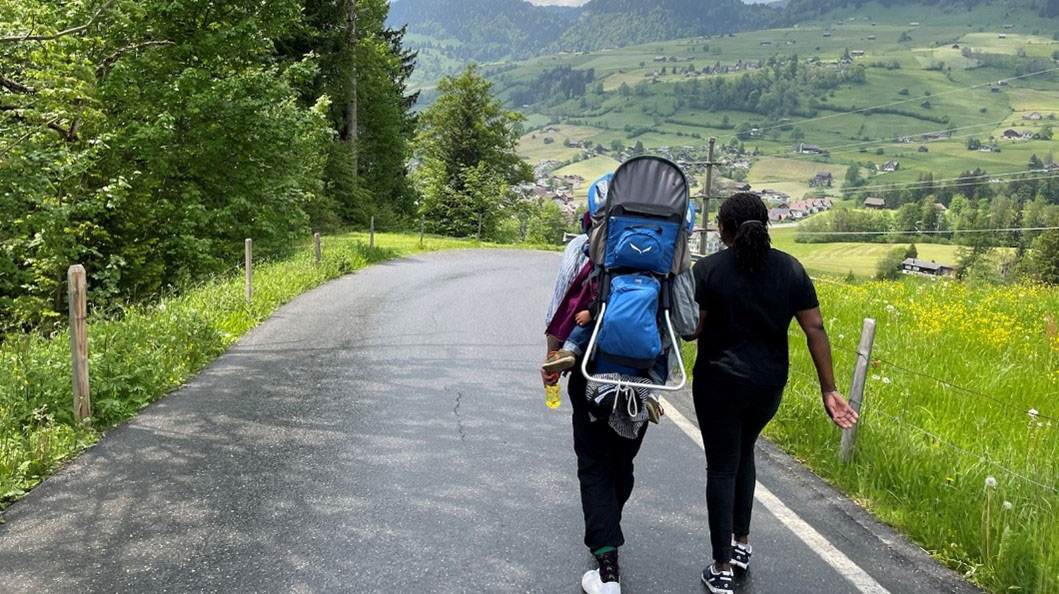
(558, 365)
(714, 590)
(741, 566)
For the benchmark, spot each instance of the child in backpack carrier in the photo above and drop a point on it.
(572, 321)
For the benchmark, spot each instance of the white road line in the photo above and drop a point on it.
(813, 539)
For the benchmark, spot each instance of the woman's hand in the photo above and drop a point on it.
(839, 410)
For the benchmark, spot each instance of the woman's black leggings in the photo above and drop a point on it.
(731, 415)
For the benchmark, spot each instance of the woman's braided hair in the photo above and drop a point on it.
(745, 217)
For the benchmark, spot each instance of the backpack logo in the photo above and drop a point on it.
(644, 251)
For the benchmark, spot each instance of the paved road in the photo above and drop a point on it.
(387, 433)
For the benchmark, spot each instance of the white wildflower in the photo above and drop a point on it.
(885, 380)
(990, 482)
(161, 307)
(841, 336)
(1033, 413)
(1007, 505)
(875, 377)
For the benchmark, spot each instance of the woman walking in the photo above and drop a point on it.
(747, 296)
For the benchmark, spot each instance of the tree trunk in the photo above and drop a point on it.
(351, 98)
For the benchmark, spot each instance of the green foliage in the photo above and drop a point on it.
(150, 140)
(889, 267)
(1046, 257)
(466, 148)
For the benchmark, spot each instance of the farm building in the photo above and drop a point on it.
(857, 53)
(766, 43)
(1016, 135)
(1033, 116)
(874, 203)
(801, 147)
(994, 89)
(923, 148)
(1002, 36)
(827, 34)
(891, 166)
(871, 38)
(913, 24)
(822, 180)
(1003, 83)
(927, 268)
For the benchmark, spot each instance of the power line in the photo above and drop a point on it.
(930, 182)
(929, 232)
(902, 102)
(961, 185)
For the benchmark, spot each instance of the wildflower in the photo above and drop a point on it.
(1007, 505)
(949, 480)
(885, 380)
(891, 308)
(841, 336)
(161, 307)
(875, 377)
(990, 482)
(1033, 413)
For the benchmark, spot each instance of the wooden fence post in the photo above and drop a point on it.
(856, 390)
(75, 277)
(422, 228)
(249, 266)
(316, 247)
(479, 236)
(371, 234)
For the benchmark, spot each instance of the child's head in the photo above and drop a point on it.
(586, 222)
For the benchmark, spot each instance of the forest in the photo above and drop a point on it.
(147, 139)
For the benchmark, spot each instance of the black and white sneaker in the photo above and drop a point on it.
(718, 582)
(741, 555)
(606, 579)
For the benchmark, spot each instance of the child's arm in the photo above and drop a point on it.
(583, 317)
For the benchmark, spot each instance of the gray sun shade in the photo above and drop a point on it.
(650, 185)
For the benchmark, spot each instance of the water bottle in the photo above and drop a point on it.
(553, 396)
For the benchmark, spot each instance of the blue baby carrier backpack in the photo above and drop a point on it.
(639, 239)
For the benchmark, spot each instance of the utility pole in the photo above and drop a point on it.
(707, 193)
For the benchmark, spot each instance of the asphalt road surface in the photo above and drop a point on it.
(387, 433)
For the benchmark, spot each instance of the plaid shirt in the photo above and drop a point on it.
(573, 261)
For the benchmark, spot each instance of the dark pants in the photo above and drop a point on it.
(604, 468)
(731, 415)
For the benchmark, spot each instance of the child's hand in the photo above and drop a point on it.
(583, 318)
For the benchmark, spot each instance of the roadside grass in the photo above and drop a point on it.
(152, 349)
(926, 449)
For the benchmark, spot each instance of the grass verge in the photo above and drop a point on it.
(152, 349)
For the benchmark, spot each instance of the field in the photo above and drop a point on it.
(937, 422)
(151, 350)
(959, 92)
(841, 258)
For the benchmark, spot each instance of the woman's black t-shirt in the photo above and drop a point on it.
(747, 316)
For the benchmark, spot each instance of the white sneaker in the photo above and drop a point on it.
(591, 584)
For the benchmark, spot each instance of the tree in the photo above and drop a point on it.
(617, 146)
(797, 135)
(973, 144)
(1046, 132)
(911, 252)
(466, 146)
(1035, 163)
(889, 266)
(1046, 257)
(638, 149)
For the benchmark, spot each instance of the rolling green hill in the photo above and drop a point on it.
(924, 83)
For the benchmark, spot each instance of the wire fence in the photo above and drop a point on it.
(875, 409)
